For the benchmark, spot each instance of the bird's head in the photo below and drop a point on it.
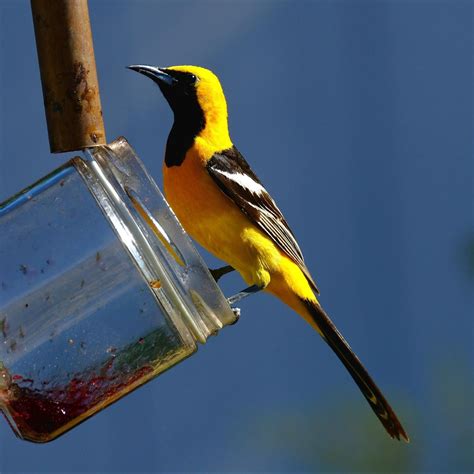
(195, 95)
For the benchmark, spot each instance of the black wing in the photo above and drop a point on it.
(237, 180)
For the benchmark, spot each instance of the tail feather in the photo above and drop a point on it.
(371, 392)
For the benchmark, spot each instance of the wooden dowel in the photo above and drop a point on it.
(68, 74)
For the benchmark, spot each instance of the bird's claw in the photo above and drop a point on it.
(236, 312)
(217, 273)
(244, 293)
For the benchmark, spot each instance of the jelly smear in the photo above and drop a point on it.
(41, 415)
(42, 411)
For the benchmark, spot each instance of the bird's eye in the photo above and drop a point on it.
(192, 79)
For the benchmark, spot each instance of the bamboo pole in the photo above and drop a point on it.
(68, 74)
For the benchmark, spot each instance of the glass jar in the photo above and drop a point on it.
(100, 291)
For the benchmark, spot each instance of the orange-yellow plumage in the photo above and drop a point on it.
(222, 204)
(218, 225)
(212, 218)
(215, 135)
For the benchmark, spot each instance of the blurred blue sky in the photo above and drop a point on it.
(358, 117)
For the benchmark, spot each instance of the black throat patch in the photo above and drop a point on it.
(189, 120)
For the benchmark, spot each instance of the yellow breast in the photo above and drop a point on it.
(215, 222)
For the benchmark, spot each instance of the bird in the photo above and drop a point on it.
(224, 206)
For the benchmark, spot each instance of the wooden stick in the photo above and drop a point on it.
(68, 74)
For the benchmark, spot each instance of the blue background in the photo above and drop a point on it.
(358, 117)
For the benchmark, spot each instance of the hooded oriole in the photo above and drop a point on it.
(223, 205)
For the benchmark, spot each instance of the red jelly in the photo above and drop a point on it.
(43, 414)
(100, 291)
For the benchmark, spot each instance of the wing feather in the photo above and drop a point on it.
(237, 180)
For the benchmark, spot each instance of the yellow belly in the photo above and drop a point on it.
(216, 223)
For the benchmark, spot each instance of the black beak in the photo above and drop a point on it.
(155, 73)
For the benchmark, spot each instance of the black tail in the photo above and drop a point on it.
(358, 372)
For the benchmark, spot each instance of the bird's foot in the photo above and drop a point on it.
(217, 273)
(236, 312)
(244, 293)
